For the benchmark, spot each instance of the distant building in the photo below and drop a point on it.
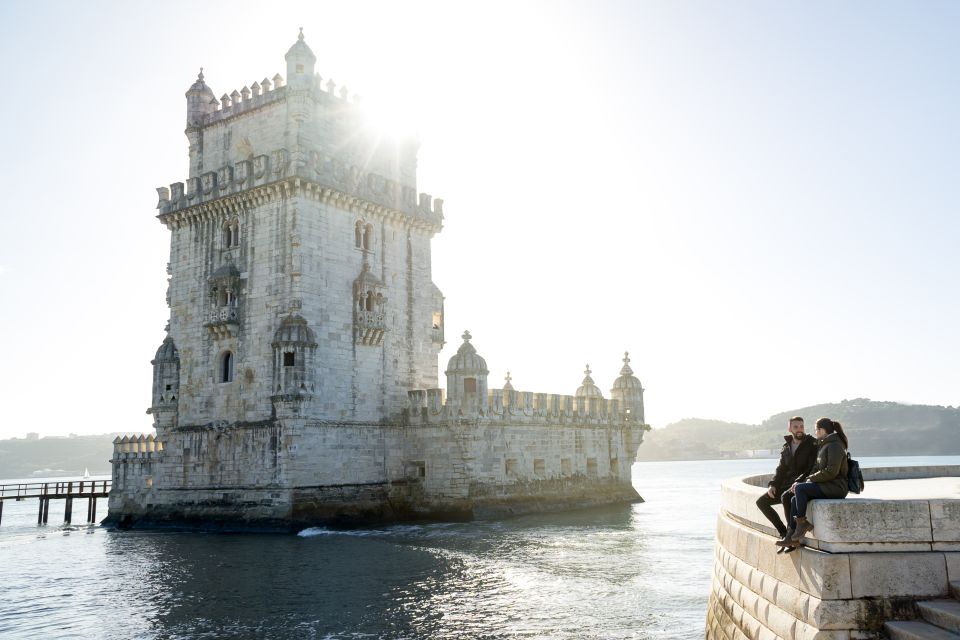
(33, 435)
(298, 381)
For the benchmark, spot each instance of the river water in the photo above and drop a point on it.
(635, 571)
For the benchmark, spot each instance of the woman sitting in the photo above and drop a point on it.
(828, 479)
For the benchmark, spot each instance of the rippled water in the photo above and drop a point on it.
(637, 571)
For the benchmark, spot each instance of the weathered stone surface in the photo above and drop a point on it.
(887, 575)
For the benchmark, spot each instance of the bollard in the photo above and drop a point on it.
(93, 509)
(68, 511)
(40, 513)
(46, 509)
(1, 510)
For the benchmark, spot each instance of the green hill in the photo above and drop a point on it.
(55, 457)
(874, 429)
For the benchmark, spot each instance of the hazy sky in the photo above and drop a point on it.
(758, 200)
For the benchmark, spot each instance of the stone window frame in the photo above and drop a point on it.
(226, 367)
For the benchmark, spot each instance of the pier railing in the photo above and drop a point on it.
(67, 490)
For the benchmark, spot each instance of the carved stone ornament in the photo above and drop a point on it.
(208, 181)
(242, 171)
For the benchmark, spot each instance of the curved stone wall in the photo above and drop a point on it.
(868, 560)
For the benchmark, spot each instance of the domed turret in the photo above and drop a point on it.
(200, 101)
(628, 390)
(587, 388)
(300, 62)
(166, 386)
(467, 375)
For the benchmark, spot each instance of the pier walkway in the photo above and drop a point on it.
(67, 489)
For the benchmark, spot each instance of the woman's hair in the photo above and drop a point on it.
(831, 426)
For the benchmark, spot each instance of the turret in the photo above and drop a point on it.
(300, 62)
(200, 101)
(166, 386)
(628, 390)
(467, 376)
(587, 388)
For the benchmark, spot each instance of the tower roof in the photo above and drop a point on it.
(587, 388)
(200, 87)
(300, 50)
(626, 381)
(466, 360)
(167, 351)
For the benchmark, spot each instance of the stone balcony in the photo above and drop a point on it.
(223, 322)
(369, 327)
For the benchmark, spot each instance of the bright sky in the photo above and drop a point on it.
(758, 200)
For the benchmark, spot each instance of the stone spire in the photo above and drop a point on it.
(587, 388)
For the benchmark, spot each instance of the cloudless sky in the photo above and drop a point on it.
(758, 200)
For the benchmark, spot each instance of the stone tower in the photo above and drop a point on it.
(300, 271)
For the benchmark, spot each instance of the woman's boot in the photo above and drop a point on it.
(803, 527)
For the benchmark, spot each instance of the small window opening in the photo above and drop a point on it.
(289, 359)
(539, 467)
(565, 467)
(226, 367)
(511, 466)
(169, 387)
(469, 385)
(299, 68)
(591, 466)
(358, 235)
(437, 319)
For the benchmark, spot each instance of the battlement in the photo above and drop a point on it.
(328, 176)
(136, 446)
(430, 405)
(267, 92)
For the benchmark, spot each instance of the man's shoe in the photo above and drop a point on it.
(785, 541)
(791, 549)
(803, 527)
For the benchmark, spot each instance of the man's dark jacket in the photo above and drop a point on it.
(794, 465)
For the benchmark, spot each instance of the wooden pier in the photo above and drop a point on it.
(67, 490)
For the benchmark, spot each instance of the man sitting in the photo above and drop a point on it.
(796, 459)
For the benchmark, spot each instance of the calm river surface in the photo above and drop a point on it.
(639, 571)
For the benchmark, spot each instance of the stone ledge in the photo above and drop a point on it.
(894, 520)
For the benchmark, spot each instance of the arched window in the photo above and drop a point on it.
(358, 234)
(226, 367)
(231, 234)
(370, 300)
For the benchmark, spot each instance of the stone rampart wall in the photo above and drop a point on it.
(301, 472)
(867, 562)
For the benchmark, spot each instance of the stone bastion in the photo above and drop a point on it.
(870, 559)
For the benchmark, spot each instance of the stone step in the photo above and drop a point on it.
(915, 630)
(943, 613)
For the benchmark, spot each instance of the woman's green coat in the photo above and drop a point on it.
(830, 469)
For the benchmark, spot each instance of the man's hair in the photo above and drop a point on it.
(796, 419)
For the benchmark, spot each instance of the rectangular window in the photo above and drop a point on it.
(592, 467)
(469, 385)
(539, 468)
(289, 359)
(511, 466)
(565, 467)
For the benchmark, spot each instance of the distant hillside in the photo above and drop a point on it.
(54, 457)
(874, 428)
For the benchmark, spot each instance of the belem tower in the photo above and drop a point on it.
(298, 381)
